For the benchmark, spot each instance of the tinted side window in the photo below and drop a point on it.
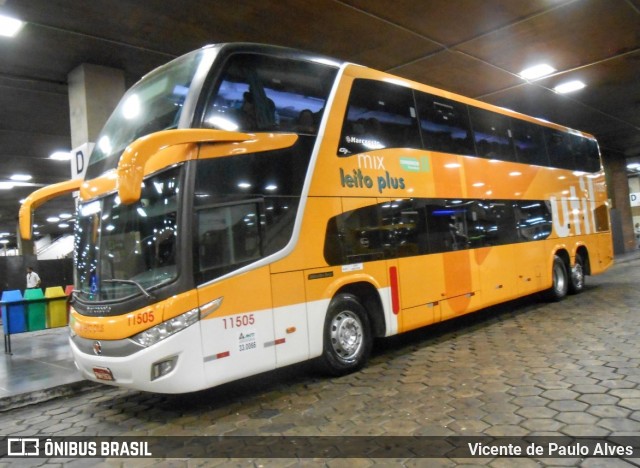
(593, 157)
(533, 219)
(228, 238)
(483, 227)
(361, 235)
(444, 124)
(407, 217)
(379, 115)
(601, 216)
(493, 223)
(529, 143)
(586, 155)
(447, 226)
(492, 135)
(560, 149)
(405, 228)
(277, 173)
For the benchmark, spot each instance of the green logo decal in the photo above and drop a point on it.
(410, 164)
(414, 165)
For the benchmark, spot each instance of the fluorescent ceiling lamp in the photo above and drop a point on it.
(569, 87)
(60, 156)
(537, 71)
(9, 27)
(21, 177)
(53, 219)
(6, 185)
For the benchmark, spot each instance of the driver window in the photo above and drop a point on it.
(228, 238)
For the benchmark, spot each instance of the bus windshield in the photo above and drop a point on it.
(122, 250)
(153, 104)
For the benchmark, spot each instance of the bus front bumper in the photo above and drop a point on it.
(173, 365)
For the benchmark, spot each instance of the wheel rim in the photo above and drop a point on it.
(559, 280)
(578, 276)
(346, 335)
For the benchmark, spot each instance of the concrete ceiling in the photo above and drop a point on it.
(471, 47)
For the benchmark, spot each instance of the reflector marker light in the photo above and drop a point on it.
(213, 357)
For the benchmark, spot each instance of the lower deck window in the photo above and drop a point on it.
(405, 228)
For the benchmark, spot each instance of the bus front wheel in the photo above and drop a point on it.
(347, 336)
(560, 286)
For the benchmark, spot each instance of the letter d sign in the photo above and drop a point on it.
(80, 160)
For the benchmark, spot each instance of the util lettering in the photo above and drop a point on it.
(574, 211)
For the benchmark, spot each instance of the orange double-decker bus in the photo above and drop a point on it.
(247, 207)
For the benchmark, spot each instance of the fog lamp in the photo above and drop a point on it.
(161, 368)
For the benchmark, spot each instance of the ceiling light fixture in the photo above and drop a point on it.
(537, 71)
(9, 27)
(569, 87)
(60, 156)
(6, 185)
(21, 177)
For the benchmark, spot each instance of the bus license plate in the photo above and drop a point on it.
(102, 373)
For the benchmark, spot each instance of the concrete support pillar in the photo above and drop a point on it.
(615, 166)
(94, 91)
(25, 247)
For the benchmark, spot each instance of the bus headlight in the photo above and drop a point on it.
(166, 329)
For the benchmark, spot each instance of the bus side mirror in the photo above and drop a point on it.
(39, 197)
(131, 167)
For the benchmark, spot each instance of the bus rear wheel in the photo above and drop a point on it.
(347, 336)
(560, 286)
(577, 278)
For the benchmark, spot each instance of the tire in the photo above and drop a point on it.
(347, 336)
(560, 285)
(577, 276)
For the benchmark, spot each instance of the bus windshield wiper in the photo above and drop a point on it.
(75, 293)
(135, 283)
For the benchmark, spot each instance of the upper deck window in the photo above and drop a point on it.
(444, 124)
(258, 93)
(493, 135)
(380, 115)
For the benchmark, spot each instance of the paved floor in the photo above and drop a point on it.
(525, 368)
